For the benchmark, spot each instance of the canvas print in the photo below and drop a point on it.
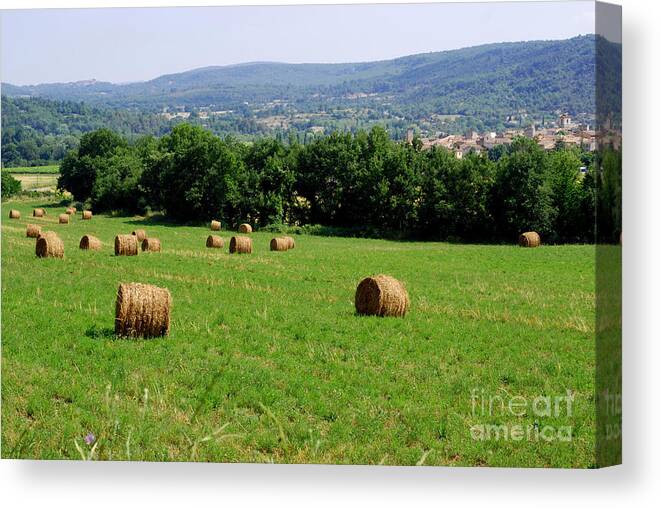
(329, 234)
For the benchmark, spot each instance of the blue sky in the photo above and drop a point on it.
(120, 45)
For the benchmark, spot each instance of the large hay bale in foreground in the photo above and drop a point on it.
(33, 231)
(126, 245)
(87, 214)
(38, 212)
(279, 244)
(290, 242)
(49, 245)
(151, 245)
(240, 245)
(71, 210)
(215, 242)
(14, 214)
(381, 295)
(140, 234)
(529, 239)
(142, 310)
(245, 228)
(63, 218)
(215, 225)
(89, 242)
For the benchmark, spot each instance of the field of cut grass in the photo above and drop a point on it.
(268, 362)
(36, 181)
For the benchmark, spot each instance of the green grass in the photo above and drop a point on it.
(35, 170)
(267, 361)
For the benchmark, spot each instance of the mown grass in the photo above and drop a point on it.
(267, 361)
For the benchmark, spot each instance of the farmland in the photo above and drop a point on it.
(268, 362)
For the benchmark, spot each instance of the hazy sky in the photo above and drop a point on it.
(119, 45)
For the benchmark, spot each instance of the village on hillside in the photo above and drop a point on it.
(562, 131)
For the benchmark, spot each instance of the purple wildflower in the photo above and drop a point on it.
(89, 438)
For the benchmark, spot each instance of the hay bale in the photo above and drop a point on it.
(215, 225)
(245, 228)
(126, 245)
(49, 245)
(240, 245)
(529, 239)
(142, 310)
(38, 212)
(63, 219)
(14, 214)
(381, 295)
(33, 231)
(140, 234)
(87, 214)
(89, 242)
(71, 210)
(290, 242)
(215, 242)
(279, 244)
(151, 245)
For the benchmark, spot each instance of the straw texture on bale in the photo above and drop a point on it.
(64, 218)
(215, 242)
(14, 214)
(87, 215)
(290, 242)
(381, 295)
(71, 210)
(49, 245)
(33, 231)
(151, 245)
(142, 310)
(529, 239)
(245, 228)
(279, 244)
(89, 242)
(38, 212)
(215, 225)
(240, 245)
(140, 234)
(126, 245)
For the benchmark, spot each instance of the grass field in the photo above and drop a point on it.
(36, 181)
(268, 362)
(34, 170)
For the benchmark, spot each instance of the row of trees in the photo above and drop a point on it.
(362, 182)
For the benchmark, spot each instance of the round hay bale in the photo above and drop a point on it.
(290, 242)
(63, 219)
(87, 214)
(215, 242)
(33, 231)
(38, 212)
(245, 228)
(89, 242)
(240, 245)
(49, 245)
(14, 214)
(529, 239)
(71, 210)
(381, 295)
(126, 245)
(215, 225)
(151, 245)
(279, 244)
(142, 310)
(140, 234)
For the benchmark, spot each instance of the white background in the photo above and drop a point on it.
(636, 483)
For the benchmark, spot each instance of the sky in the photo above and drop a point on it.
(123, 45)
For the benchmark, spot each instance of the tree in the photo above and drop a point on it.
(10, 186)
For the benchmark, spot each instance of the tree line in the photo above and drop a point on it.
(361, 184)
